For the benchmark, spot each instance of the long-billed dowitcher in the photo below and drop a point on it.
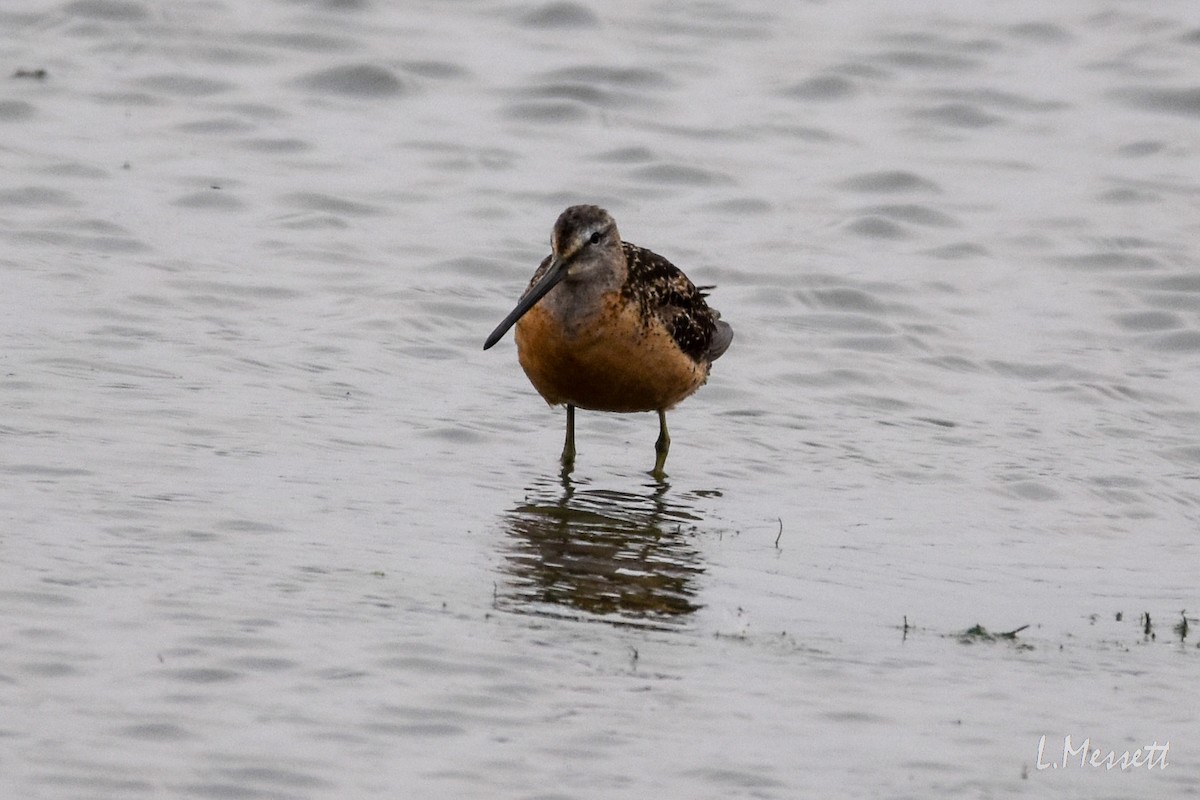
(609, 326)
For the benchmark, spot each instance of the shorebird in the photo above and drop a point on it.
(606, 325)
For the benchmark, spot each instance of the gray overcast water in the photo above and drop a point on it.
(275, 526)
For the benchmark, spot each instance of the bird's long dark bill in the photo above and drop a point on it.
(557, 271)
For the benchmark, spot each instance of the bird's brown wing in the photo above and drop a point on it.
(663, 292)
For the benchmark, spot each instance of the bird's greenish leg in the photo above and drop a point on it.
(661, 446)
(568, 453)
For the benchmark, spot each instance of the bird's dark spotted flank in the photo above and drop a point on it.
(662, 291)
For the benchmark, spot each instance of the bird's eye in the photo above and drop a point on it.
(595, 238)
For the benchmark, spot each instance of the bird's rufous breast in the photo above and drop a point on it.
(617, 360)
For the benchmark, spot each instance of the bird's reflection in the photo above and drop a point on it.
(618, 556)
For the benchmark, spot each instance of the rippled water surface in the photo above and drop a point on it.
(275, 526)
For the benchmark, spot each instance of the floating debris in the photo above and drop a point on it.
(1181, 627)
(978, 633)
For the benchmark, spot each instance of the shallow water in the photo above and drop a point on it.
(276, 526)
